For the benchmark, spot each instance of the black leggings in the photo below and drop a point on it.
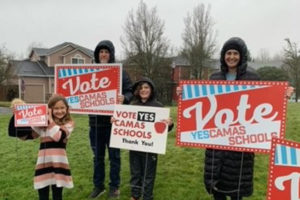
(221, 196)
(56, 193)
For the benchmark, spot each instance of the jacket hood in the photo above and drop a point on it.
(105, 44)
(145, 80)
(238, 44)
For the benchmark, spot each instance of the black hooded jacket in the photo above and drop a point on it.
(102, 120)
(152, 99)
(223, 168)
(242, 72)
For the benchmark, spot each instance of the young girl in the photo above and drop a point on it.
(52, 168)
(143, 165)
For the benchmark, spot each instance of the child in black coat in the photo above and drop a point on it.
(143, 165)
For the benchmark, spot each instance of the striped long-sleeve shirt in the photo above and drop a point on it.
(52, 167)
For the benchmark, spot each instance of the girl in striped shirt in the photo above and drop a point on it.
(52, 167)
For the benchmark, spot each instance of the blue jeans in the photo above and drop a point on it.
(99, 139)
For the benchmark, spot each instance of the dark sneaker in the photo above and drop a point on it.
(97, 192)
(114, 193)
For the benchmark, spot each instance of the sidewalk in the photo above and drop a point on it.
(4, 110)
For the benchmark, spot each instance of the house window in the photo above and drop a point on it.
(77, 59)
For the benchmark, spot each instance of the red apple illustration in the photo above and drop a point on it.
(160, 127)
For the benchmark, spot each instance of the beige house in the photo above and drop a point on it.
(33, 78)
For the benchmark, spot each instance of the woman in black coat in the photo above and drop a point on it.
(229, 173)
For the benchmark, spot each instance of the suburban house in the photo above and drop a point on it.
(33, 79)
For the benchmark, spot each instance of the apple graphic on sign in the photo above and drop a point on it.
(160, 127)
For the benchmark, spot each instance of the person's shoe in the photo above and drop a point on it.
(132, 198)
(97, 192)
(114, 193)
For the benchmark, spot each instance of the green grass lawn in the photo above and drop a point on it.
(179, 172)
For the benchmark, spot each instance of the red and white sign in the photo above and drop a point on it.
(140, 128)
(89, 89)
(231, 115)
(284, 170)
(31, 115)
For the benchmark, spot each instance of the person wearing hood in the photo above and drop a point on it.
(143, 165)
(100, 128)
(229, 173)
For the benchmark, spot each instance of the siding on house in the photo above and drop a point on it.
(33, 78)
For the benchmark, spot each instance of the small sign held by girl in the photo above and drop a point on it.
(31, 115)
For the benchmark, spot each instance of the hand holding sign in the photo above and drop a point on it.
(120, 98)
(289, 92)
(50, 119)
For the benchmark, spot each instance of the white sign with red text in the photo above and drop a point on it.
(140, 128)
(31, 115)
(231, 115)
(89, 88)
(284, 170)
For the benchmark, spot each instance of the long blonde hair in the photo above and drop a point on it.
(52, 101)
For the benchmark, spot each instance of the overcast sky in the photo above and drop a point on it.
(263, 24)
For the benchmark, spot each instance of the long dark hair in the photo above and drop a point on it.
(52, 101)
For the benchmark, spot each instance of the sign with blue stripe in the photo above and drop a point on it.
(66, 73)
(232, 115)
(287, 156)
(192, 91)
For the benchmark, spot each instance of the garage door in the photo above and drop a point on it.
(34, 94)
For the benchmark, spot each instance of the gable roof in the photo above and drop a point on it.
(31, 69)
(272, 63)
(40, 51)
(183, 62)
(46, 52)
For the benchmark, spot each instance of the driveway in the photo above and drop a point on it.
(4, 110)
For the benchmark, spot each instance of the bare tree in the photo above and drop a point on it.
(292, 64)
(263, 56)
(278, 56)
(4, 59)
(199, 39)
(145, 45)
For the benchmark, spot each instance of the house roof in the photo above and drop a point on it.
(215, 63)
(258, 64)
(46, 52)
(181, 61)
(31, 69)
(40, 51)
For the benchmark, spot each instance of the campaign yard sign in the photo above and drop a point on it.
(231, 115)
(140, 128)
(31, 115)
(284, 170)
(89, 88)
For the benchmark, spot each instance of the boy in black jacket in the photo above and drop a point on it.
(143, 165)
